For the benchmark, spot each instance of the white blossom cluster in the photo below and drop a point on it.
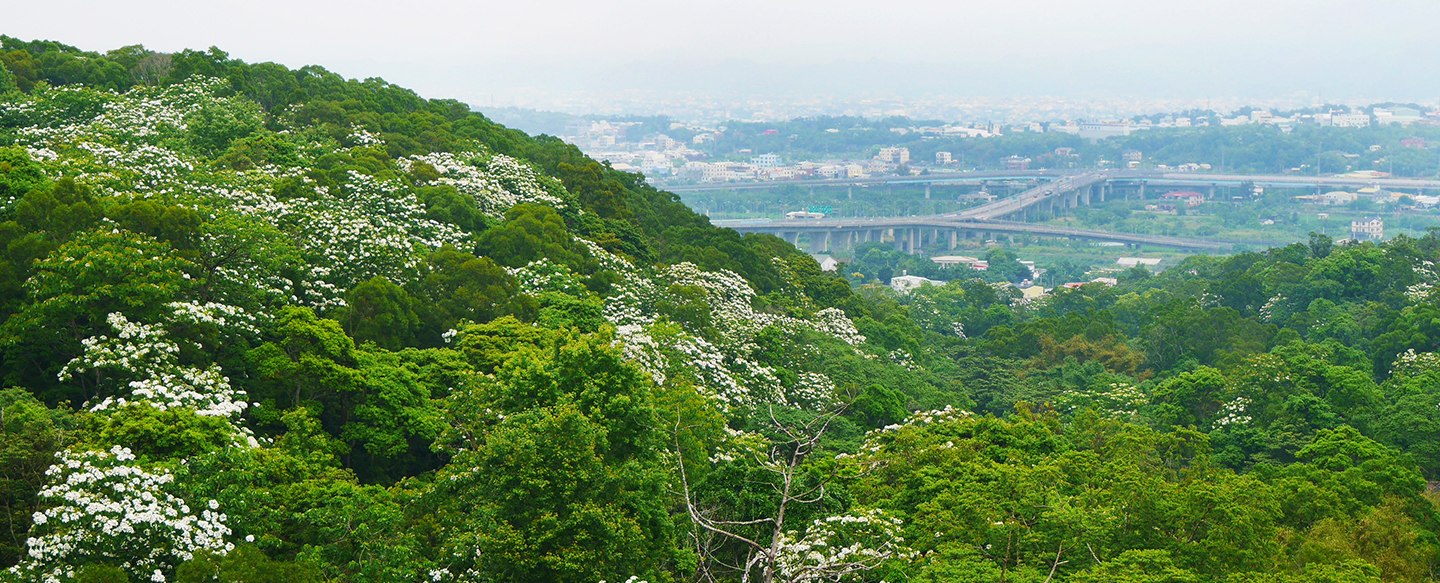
(100, 506)
(121, 147)
(373, 227)
(364, 137)
(42, 154)
(125, 166)
(1427, 281)
(224, 316)
(143, 353)
(1414, 364)
(877, 439)
(607, 261)
(496, 182)
(1267, 311)
(1118, 398)
(541, 276)
(836, 547)
(1234, 412)
(738, 444)
(719, 360)
(370, 227)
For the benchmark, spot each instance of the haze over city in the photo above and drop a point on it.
(806, 57)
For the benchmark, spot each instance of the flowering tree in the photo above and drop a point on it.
(142, 354)
(101, 507)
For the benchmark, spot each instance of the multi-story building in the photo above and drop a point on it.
(766, 161)
(894, 155)
(1367, 229)
(1350, 120)
(943, 158)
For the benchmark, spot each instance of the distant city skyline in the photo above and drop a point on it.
(696, 108)
(544, 53)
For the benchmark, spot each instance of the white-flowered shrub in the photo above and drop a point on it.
(720, 359)
(838, 547)
(125, 145)
(496, 182)
(1119, 399)
(143, 355)
(102, 507)
(1414, 364)
(878, 439)
(541, 276)
(1427, 280)
(1235, 412)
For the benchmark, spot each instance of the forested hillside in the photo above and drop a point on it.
(261, 324)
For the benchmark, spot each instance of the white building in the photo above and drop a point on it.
(943, 158)
(905, 283)
(1350, 120)
(1400, 115)
(766, 161)
(1128, 262)
(894, 155)
(1102, 130)
(1367, 229)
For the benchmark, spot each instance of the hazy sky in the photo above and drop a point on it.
(479, 50)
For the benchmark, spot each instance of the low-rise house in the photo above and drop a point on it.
(1190, 198)
(905, 283)
(1128, 262)
(1367, 229)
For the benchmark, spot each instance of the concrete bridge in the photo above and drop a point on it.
(910, 234)
(1055, 193)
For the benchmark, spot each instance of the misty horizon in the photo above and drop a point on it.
(1335, 51)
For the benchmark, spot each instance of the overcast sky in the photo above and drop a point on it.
(480, 50)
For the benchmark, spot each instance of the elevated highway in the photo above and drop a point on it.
(1056, 192)
(913, 233)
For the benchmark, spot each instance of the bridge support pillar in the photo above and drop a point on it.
(1212, 192)
(850, 193)
(1142, 190)
(827, 242)
(952, 239)
(927, 192)
(915, 241)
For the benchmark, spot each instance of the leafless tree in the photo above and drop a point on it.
(152, 69)
(795, 443)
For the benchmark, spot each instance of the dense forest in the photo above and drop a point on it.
(261, 324)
